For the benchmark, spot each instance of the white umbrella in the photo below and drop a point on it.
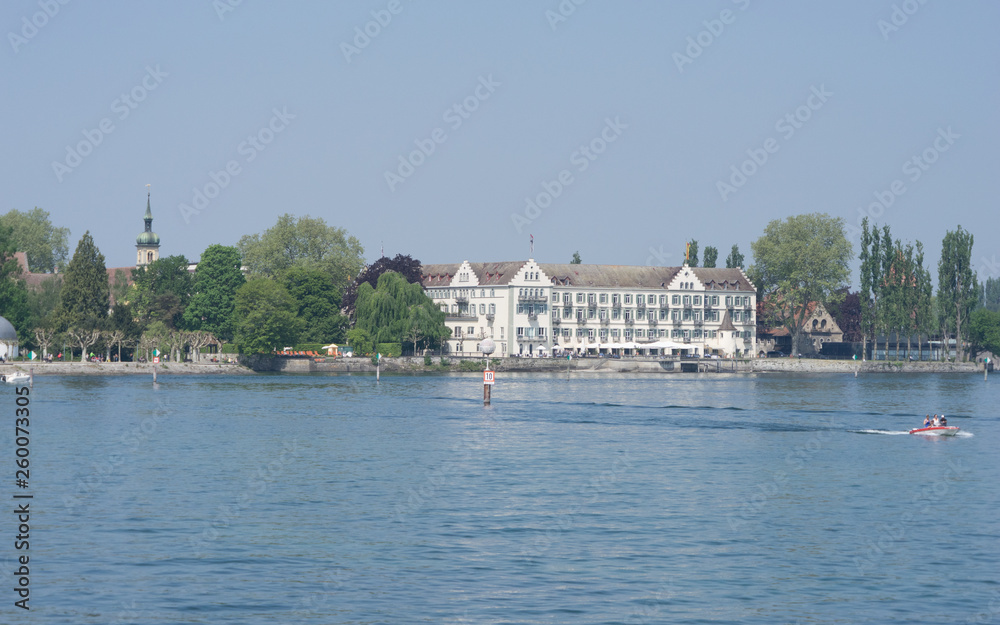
(330, 346)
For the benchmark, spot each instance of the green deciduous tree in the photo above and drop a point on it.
(957, 286)
(84, 299)
(711, 256)
(984, 331)
(161, 290)
(45, 246)
(14, 301)
(735, 258)
(318, 302)
(797, 261)
(213, 302)
(303, 241)
(266, 317)
(404, 265)
(991, 294)
(361, 341)
(576, 260)
(385, 312)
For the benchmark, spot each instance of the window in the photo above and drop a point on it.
(675, 300)
(628, 299)
(482, 293)
(697, 300)
(579, 313)
(675, 315)
(687, 300)
(628, 314)
(591, 298)
(590, 334)
(579, 333)
(715, 300)
(651, 300)
(603, 313)
(737, 316)
(541, 333)
(579, 298)
(520, 332)
(663, 300)
(729, 301)
(697, 315)
(458, 331)
(604, 298)
(616, 299)
(567, 313)
(687, 315)
(615, 333)
(591, 313)
(628, 335)
(651, 315)
(567, 333)
(501, 332)
(603, 334)
(493, 292)
(493, 309)
(520, 309)
(616, 313)
(472, 330)
(663, 314)
(482, 309)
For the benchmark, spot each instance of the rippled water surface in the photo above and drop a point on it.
(671, 498)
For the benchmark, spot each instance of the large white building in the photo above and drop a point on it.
(532, 309)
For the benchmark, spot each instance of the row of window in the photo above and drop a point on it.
(531, 333)
(616, 299)
(639, 333)
(470, 331)
(627, 314)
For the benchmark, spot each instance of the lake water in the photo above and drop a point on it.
(660, 499)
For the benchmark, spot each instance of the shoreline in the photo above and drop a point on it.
(600, 366)
(124, 368)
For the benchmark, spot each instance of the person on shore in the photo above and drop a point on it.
(927, 421)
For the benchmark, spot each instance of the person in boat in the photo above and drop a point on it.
(943, 421)
(935, 422)
(927, 421)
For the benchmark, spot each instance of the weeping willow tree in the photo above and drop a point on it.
(397, 310)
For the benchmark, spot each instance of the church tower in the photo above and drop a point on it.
(147, 244)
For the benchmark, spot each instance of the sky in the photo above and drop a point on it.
(455, 131)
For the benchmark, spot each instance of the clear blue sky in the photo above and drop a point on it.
(541, 89)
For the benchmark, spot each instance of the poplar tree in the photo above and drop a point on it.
(957, 287)
(735, 259)
(711, 256)
(865, 295)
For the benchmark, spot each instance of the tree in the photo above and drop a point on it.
(405, 266)
(162, 290)
(691, 254)
(991, 294)
(361, 341)
(711, 256)
(85, 337)
(197, 340)
(576, 259)
(957, 288)
(84, 297)
(43, 300)
(123, 321)
(216, 282)
(45, 246)
(800, 260)
(385, 311)
(44, 337)
(120, 286)
(984, 331)
(735, 259)
(865, 295)
(847, 313)
(14, 301)
(922, 317)
(266, 319)
(318, 304)
(304, 241)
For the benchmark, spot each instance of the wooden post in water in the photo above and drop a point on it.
(487, 386)
(154, 374)
(31, 377)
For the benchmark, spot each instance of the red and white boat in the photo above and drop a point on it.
(937, 430)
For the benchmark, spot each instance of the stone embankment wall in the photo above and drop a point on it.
(122, 368)
(807, 365)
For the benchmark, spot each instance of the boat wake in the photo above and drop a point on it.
(883, 432)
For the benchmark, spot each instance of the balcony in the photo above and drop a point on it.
(490, 316)
(653, 322)
(462, 299)
(605, 321)
(556, 320)
(459, 316)
(532, 315)
(581, 320)
(629, 321)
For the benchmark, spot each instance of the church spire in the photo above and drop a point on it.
(147, 243)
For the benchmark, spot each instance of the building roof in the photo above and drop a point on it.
(727, 323)
(595, 276)
(7, 331)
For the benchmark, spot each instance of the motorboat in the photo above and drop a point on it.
(16, 378)
(937, 430)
